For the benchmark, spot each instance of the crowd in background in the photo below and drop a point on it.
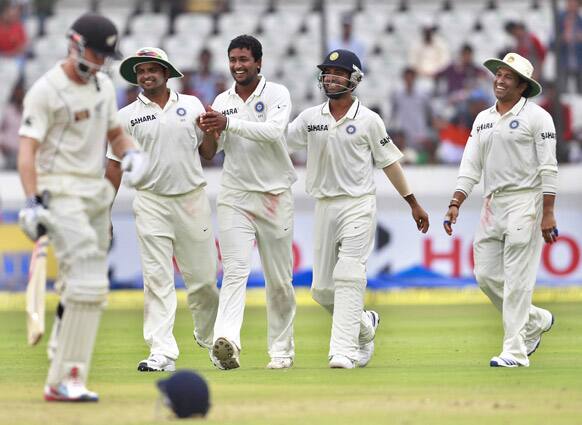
(431, 109)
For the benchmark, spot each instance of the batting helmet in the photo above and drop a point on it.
(346, 60)
(97, 33)
(186, 393)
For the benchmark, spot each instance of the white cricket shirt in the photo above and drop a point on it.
(512, 152)
(70, 121)
(256, 157)
(341, 155)
(171, 139)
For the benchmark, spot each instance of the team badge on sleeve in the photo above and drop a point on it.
(260, 106)
(351, 129)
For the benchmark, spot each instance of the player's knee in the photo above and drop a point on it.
(87, 280)
(349, 270)
(236, 269)
(323, 297)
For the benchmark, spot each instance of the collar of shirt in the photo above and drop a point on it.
(351, 114)
(257, 92)
(514, 111)
(173, 98)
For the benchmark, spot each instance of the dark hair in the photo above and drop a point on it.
(247, 42)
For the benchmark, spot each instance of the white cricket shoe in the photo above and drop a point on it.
(280, 363)
(227, 353)
(366, 350)
(71, 389)
(341, 362)
(157, 363)
(532, 343)
(503, 362)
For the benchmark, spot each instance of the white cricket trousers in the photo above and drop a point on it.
(507, 251)
(243, 218)
(178, 226)
(80, 209)
(344, 236)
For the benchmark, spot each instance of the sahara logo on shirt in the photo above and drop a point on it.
(548, 135)
(139, 120)
(316, 127)
(484, 126)
(385, 141)
(230, 111)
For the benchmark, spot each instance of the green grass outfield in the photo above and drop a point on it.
(431, 367)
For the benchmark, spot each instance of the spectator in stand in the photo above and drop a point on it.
(205, 83)
(411, 115)
(13, 39)
(570, 32)
(347, 40)
(453, 134)
(43, 9)
(430, 54)
(528, 45)
(458, 79)
(9, 126)
(563, 142)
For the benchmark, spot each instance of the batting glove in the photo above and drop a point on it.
(34, 219)
(135, 166)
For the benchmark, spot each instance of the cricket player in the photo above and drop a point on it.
(255, 202)
(513, 147)
(172, 211)
(345, 141)
(68, 115)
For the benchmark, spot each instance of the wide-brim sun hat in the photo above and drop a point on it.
(521, 66)
(127, 69)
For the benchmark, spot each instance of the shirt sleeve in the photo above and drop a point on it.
(278, 111)
(199, 110)
(297, 135)
(471, 165)
(216, 105)
(123, 121)
(545, 145)
(112, 117)
(384, 151)
(37, 114)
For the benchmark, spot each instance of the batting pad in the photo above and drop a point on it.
(77, 334)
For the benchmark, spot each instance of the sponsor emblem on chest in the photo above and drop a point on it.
(351, 129)
(316, 127)
(181, 111)
(139, 120)
(81, 115)
(514, 124)
(230, 111)
(484, 126)
(260, 106)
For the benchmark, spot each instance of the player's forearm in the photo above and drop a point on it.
(209, 145)
(113, 173)
(457, 199)
(395, 174)
(120, 142)
(269, 131)
(26, 166)
(548, 203)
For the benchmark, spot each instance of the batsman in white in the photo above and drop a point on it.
(68, 114)
(172, 212)
(255, 202)
(345, 141)
(513, 147)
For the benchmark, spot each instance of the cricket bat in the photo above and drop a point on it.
(35, 291)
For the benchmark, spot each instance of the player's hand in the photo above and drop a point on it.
(549, 227)
(212, 121)
(420, 218)
(450, 219)
(34, 219)
(135, 165)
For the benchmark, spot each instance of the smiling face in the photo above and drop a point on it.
(151, 75)
(507, 85)
(243, 66)
(336, 81)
